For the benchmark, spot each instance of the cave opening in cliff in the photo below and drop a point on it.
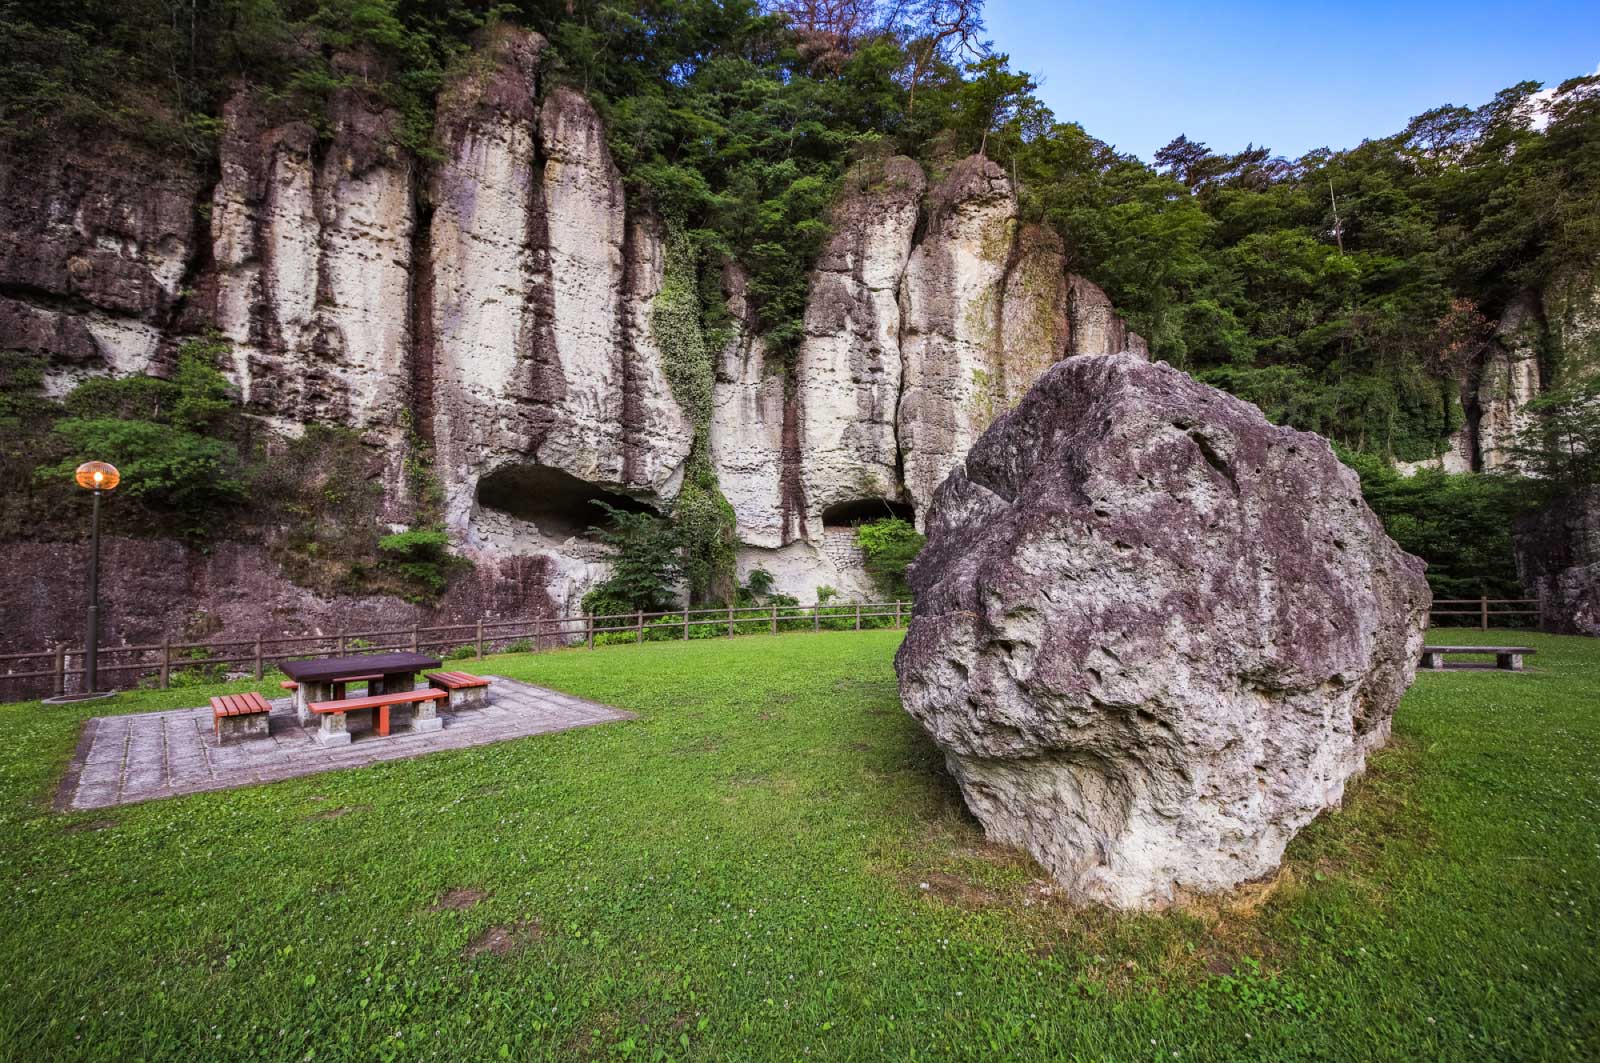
(559, 504)
(864, 510)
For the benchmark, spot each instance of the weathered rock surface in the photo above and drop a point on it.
(1558, 561)
(1154, 634)
(1509, 378)
(163, 588)
(849, 366)
(95, 245)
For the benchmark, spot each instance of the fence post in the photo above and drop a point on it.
(166, 662)
(480, 640)
(61, 670)
(897, 612)
(340, 643)
(774, 618)
(589, 628)
(414, 643)
(686, 625)
(258, 658)
(1483, 612)
(816, 617)
(730, 621)
(638, 622)
(858, 616)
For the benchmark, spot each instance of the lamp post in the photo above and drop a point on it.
(99, 477)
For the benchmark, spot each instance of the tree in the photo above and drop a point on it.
(644, 556)
(941, 31)
(1559, 446)
(170, 439)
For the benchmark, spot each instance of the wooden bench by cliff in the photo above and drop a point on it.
(466, 691)
(1508, 658)
(235, 717)
(332, 728)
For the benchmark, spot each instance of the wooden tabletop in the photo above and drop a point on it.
(327, 669)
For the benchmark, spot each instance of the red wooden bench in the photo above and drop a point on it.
(239, 716)
(333, 731)
(289, 685)
(466, 691)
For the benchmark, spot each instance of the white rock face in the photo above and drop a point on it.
(585, 228)
(1508, 380)
(540, 288)
(493, 385)
(311, 263)
(747, 433)
(949, 322)
(1154, 635)
(849, 363)
(1096, 326)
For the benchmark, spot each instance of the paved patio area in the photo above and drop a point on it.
(123, 759)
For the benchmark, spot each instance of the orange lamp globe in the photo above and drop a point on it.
(98, 476)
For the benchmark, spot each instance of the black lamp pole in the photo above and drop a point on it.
(99, 477)
(92, 635)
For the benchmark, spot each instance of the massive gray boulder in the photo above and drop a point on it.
(1154, 634)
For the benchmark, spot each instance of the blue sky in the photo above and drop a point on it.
(1293, 76)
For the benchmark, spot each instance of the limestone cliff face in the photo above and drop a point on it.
(97, 243)
(311, 266)
(494, 303)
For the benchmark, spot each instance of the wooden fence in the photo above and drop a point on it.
(1480, 608)
(25, 675)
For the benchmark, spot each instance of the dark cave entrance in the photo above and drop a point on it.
(865, 510)
(559, 504)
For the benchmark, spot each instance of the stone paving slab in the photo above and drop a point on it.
(140, 757)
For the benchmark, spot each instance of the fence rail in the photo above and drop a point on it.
(24, 675)
(1479, 607)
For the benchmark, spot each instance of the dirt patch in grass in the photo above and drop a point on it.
(504, 939)
(457, 900)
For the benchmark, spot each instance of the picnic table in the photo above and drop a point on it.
(325, 679)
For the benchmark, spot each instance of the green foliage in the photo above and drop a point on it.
(703, 518)
(1459, 523)
(459, 653)
(705, 530)
(890, 545)
(421, 558)
(645, 562)
(1560, 442)
(170, 439)
(519, 646)
(758, 583)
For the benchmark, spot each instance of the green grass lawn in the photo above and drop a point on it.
(771, 864)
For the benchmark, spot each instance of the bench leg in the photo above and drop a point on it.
(232, 729)
(468, 698)
(1511, 662)
(1433, 661)
(332, 731)
(304, 695)
(383, 721)
(426, 718)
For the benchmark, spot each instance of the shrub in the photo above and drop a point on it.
(460, 653)
(891, 545)
(519, 646)
(421, 558)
